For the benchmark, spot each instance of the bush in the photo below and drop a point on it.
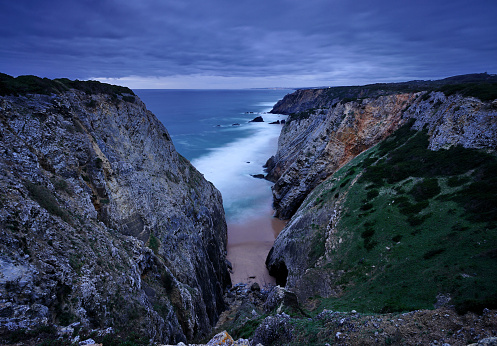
(433, 253)
(45, 198)
(425, 189)
(372, 194)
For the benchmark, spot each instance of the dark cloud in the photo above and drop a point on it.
(315, 40)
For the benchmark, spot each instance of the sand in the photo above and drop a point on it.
(249, 243)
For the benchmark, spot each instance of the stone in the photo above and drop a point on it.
(98, 199)
(255, 287)
(488, 341)
(274, 330)
(258, 176)
(257, 119)
(221, 339)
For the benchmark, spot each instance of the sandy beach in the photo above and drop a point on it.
(249, 243)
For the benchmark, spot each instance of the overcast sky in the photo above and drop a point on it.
(240, 43)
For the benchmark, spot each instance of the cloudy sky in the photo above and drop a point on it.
(240, 43)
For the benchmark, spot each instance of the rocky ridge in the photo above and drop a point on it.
(103, 224)
(314, 145)
(385, 196)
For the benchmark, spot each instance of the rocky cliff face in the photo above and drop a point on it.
(103, 223)
(316, 142)
(359, 221)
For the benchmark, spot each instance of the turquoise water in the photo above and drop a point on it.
(200, 123)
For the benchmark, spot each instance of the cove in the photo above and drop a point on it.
(211, 128)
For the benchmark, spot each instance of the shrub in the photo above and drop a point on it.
(372, 194)
(366, 206)
(45, 198)
(425, 189)
(433, 253)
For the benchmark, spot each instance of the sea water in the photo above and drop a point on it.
(212, 129)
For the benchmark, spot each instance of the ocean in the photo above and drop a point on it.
(211, 128)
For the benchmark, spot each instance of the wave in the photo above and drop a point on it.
(230, 169)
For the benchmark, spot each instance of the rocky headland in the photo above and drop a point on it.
(390, 196)
(103, 224)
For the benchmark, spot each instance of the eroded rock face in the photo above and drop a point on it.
(103, 222)
(311, 148)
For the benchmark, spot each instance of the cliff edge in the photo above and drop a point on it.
(103, 224)
(391, 199)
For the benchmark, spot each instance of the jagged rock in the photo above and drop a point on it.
(258, 176)
(103, 222)
(221, 339)
(311, 149)
(277, 122)
(279, 298)
(257, 119)
(274, 329)
(255, 287)
(486, 342)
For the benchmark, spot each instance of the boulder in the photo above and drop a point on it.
(274, 330)
(257, 119)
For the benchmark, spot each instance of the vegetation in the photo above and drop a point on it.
(479, 85)
(47, 200)
(417, 223)
(303, 115)
(153, 243)
(23, 85)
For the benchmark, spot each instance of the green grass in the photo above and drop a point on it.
(415, 224)
(154, 244)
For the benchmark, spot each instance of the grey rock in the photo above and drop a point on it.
(274, 329)
(98, 212)
(257, 119)
(488, 341)
(311, 149)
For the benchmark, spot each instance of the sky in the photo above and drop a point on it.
(219, 44)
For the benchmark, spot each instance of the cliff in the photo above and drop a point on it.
(328, 130)
(103, 224)
(390, 198)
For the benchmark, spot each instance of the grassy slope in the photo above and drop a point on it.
(416, 224)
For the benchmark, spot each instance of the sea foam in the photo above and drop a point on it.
(230, 169)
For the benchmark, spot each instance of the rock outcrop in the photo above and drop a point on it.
(314, 145)
(337, 237)
(102, 222)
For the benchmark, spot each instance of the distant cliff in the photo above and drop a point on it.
(390, 195)
(102, 222)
